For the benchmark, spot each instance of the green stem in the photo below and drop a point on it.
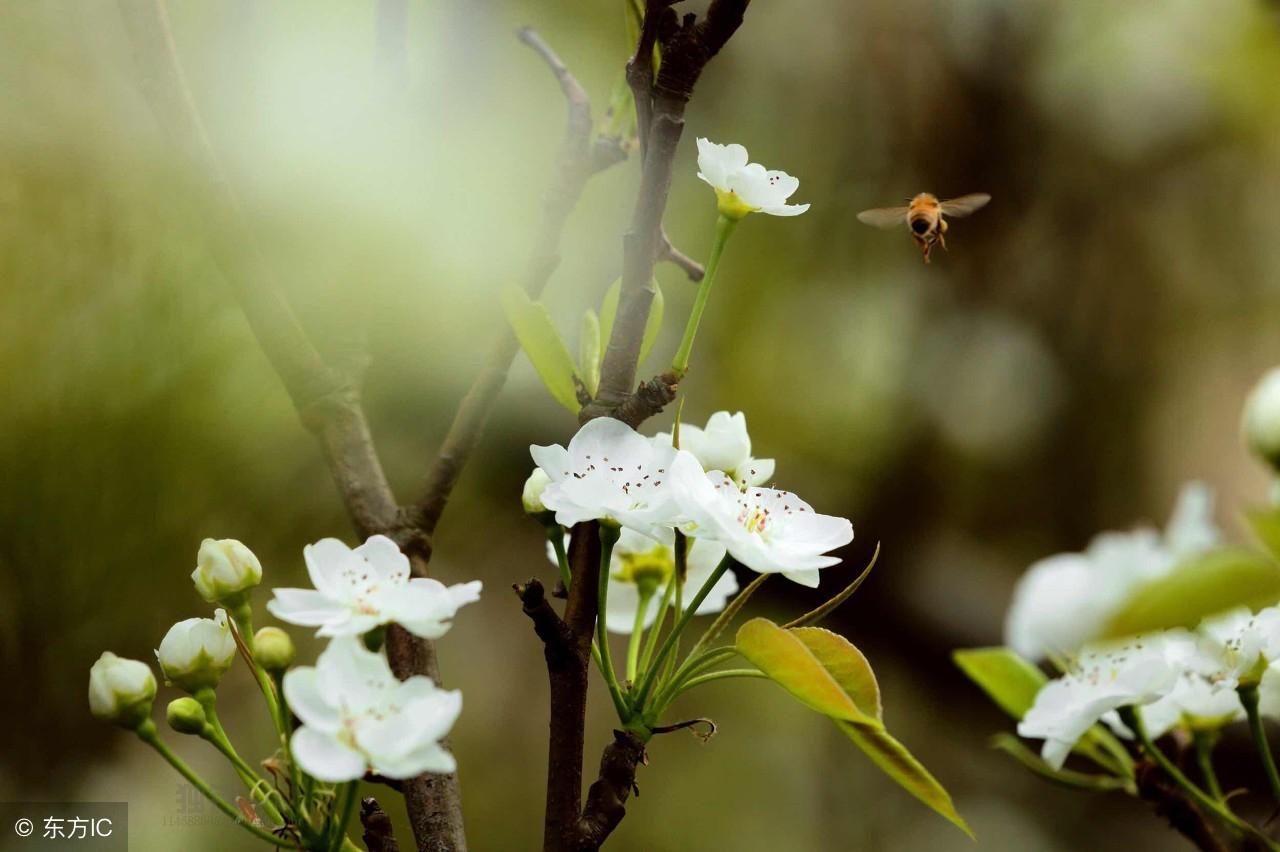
(691, 667)
(608, 537)
(651, 641)
(646, 682)
(1204, 742)
(348, 799)
(681, 688)
(1249, 698)
(724, 227)
(242, 615)
(555, 535)
(637, 633)
(148, 734)
(1133, 719)
(214, 734)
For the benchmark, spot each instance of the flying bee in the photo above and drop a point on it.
(925, 217)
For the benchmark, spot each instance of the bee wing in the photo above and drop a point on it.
(965, 204)
(884, 217)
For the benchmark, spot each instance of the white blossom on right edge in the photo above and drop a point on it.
(767, 530)
(723, 444)
(1064, 601)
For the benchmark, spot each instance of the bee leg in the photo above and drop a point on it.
(942, 241)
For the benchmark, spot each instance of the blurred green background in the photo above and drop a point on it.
(1083, 348)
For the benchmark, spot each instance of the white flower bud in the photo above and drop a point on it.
(186, 716)
(197, 652)
(121, 690)
(273, 649)
(1261, 421)
(225, 569)
(533, 488)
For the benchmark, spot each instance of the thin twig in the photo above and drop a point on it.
(379, 834)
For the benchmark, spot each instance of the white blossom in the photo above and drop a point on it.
(357, 716)
(361, 589)
(724, 445)
(742, 187)
(609, 472)
(1261, 420)
(121, 690)
(767, 530)
(642, 567)
(1103, 679)
(197, 652)
(1066, 600)
(225, 569)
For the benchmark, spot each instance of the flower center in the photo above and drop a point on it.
(648, 570)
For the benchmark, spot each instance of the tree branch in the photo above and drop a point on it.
(578, 159)
(607, 798)
(686, 50)
(1172, 803)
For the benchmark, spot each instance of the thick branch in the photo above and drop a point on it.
(576, 162)
(607, 798)
(1172, 803)
(379, 835)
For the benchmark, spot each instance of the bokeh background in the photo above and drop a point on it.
(1083, 349)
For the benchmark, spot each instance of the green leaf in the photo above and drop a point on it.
(1017, 749)
(652, 326)
(543, 346)
(785, 658)
(899, 764)
(1009, 680)
(589, 351)
(842, 659)
(1204, 585)
(828, 674)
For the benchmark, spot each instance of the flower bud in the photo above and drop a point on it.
(1261, 421)
(197, 652)
(533, 488)
(225, 570)
(121, 690)
(273, 649)
(186, 716)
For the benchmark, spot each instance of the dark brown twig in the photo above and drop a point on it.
(379, 834)
(607, 797)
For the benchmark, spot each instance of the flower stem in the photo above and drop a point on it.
(242, 615)
(1133, 719)
(214, 734)
(608, 537)
(1204, 742)
(637, 634)
(555, 535)
(347, 796)
(651, 641)
(1249, 698)
(689, 684)
(724, 227)
(148, 734)
(669, 643)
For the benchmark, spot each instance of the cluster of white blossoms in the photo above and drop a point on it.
(357, 717)
(1066, 600)
(1179, 678)
(710, 490)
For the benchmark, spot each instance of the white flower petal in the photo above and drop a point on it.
(383, 556)
(308, 702)
(305, 607)
(325, 757)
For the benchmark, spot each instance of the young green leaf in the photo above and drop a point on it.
(652, 326)
(1201, 586)
(542, 344)
(589, 351)
(899, 764)
(846, 664)
(1265, 524)
(1009, 680)
(787, 660)
(1015, 748)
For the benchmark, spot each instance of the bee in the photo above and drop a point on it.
(925, 217)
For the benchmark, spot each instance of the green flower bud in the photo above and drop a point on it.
(273, 649)
(225, 570)
(121, 691)
(197, 652)
(531, 497)
(186, 716)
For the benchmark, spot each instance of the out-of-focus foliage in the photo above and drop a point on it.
(1084, 347)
